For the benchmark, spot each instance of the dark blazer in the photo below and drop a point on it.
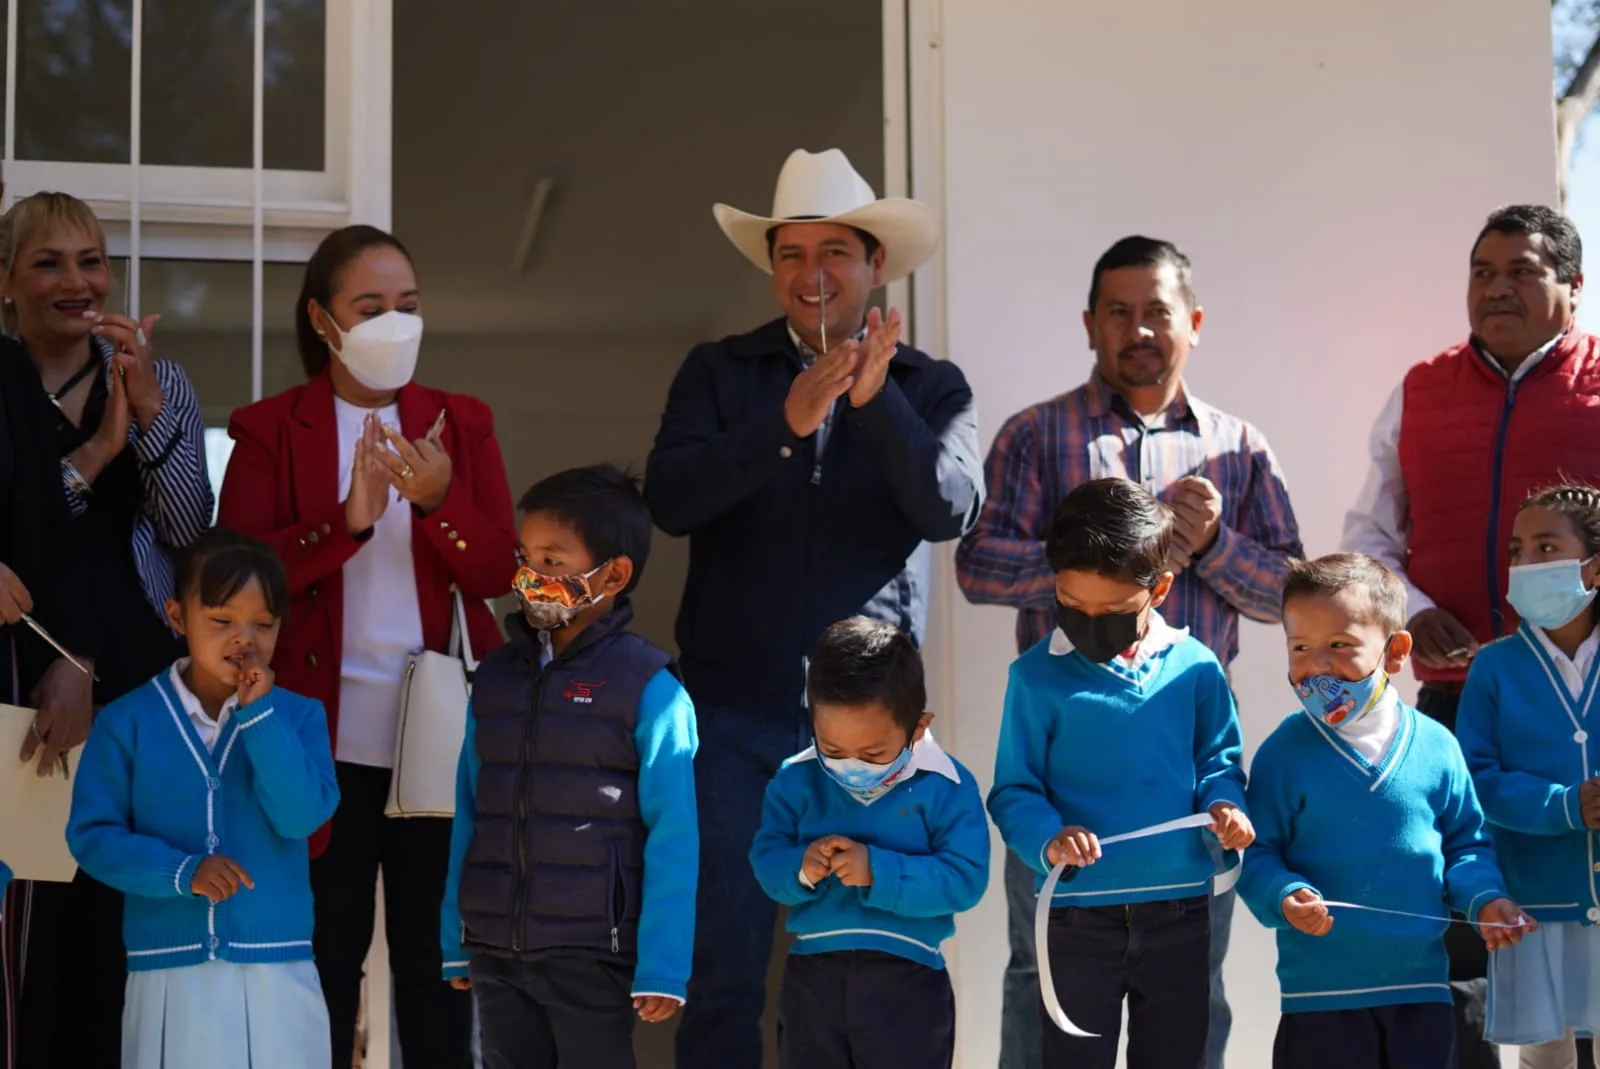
(282, 487)
(784, 542)
(37, 535)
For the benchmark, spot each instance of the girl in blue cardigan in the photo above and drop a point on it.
(1525, 729)
(195, 796)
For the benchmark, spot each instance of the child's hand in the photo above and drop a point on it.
(1231, 827)
(255, 680)
(1306, 912)
(461, 983)
(1504, 911)
(1076, 846)
(818, 862)
(217, 878)
(1589, 803)
(852, 864)
(653, 1009)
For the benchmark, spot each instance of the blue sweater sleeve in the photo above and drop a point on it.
(288, 745)
(951, 877)
(1218, 743)
(1267, 879)
(1520, 801)
(666, 738)
(100, 831)
(461, 827)
(1471, 874)
(1018, 803)
(5, 878)
(778, 849)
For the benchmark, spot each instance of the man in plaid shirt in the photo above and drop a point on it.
(1235, 527)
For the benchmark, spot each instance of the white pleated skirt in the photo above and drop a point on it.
(1546, 985)
(223, 1015)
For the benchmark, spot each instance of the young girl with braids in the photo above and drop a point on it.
(1530, 728)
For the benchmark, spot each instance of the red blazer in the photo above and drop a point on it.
(282, 487)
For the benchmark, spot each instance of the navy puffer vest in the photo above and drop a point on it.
(557, 854)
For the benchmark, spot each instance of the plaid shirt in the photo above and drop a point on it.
(1091, 433)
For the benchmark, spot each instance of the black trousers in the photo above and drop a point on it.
(64, 975)
(1421, 1036)
(1157, 955)
(861, 1008)
(566, 1011)
(435, 1020)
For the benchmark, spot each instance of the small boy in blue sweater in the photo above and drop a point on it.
(574, 855)
(875, 839)
(1360, 799)
(1114, 723)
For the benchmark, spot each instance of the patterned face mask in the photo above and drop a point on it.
(551, 601)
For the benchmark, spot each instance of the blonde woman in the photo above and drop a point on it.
(129, 440)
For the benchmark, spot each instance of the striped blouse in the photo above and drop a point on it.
(178, 502)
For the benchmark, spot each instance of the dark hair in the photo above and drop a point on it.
(1140, 251)
(867, 240)
(220, 563)
(1114, 528)
(1579, 503)
(858, 660)
(1338, 572)
(1560, 235)
(603, 506)
(335, 254)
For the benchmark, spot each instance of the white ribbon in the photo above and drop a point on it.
(1221, 884)
(1521, 922)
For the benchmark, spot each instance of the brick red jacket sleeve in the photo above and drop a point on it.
(473, 531)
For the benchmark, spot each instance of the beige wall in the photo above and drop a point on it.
(1326, 166)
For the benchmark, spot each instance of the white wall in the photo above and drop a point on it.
(1326, 166)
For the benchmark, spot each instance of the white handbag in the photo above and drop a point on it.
(433, 725)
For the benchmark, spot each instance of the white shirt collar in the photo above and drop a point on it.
(203, 723)
(1574, 670)
(805, 351)
(1158, 637)
(926, 756)
(1530, 363)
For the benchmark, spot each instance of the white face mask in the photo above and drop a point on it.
(381, 353)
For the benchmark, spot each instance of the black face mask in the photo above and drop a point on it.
(1099, 638)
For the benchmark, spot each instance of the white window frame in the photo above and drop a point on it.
(211, 212)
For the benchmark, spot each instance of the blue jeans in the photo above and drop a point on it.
(1021, 1042)
(739, 753)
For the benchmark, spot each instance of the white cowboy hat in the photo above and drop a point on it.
(822, 187)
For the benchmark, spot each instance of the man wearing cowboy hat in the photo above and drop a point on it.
(809, 461)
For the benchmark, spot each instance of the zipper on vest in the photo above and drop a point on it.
(520, 827)
(1492, 558)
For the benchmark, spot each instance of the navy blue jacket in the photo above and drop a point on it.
(783, 542)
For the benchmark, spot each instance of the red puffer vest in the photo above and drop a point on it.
(1472, 447)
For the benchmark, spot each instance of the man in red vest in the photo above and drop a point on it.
(1457, 448)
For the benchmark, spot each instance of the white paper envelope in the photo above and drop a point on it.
(33, 809)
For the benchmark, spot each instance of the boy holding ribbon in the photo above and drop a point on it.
(1117, 723)
(1369, 831)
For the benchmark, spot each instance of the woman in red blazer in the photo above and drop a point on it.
(380, 495)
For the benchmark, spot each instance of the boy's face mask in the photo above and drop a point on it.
(1341, 703)
(865, 781)
(1100, 638)
(550, 602)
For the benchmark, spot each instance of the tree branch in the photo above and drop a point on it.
(1584, 87)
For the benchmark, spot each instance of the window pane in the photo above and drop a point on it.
(198, 68)
(74, 64)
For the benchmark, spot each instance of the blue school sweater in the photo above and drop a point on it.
(1404, 834)
(150, 802)
(1529, 748)
(1115, 749)
(927, 842)
(5, 879)
(665, 738)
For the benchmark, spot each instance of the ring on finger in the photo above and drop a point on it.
(407, 472)
(39, 734)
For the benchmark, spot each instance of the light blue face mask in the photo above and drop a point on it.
(1339, 703)
(865, 781)
(1550, 594)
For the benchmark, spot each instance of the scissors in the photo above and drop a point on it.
(59, 648)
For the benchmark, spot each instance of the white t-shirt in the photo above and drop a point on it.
(382, 617)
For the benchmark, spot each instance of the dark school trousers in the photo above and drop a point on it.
(860, 1007)
(565, 1011)
(1157, 955)
(1418, 1036)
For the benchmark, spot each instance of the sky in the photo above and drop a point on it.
(1583, 205)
